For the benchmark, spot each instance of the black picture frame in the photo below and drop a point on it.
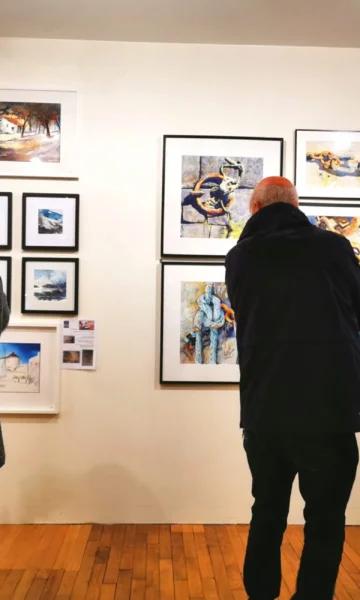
(8, 196)
(51, 248)
(193, 382)
(42, 259)
(7, 290)
(189, 255)
(298, 178)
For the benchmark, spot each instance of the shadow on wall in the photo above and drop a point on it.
(105, 494)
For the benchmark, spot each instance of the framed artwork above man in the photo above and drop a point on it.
(207, 183)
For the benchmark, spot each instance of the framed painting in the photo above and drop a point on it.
(207, 184)
(50, 222)
(342, 218)
(327, 164)
(5, 220)
(50, 285)
(30, 368)
(198, 341)
(5, 275)
(38, 133)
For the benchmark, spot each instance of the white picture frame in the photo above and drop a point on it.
(38, 133)
(30, 368)
(186, 354)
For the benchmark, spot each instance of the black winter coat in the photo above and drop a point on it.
(295, 290)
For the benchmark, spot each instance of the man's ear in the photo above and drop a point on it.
(255, 207)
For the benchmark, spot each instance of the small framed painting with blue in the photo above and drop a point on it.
(50, 222)
(50, 285)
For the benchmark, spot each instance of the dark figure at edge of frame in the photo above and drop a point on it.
(295, 290)
(4, 321)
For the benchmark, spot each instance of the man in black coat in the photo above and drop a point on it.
(295, 290)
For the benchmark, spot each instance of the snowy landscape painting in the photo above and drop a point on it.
(30, 131)
(20, 367)
(50, 221)
(49, 284)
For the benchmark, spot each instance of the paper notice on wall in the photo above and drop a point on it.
(79, 344)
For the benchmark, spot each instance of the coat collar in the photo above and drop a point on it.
(273, 218)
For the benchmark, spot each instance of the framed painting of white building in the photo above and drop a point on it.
(30, 368)
(38, 133)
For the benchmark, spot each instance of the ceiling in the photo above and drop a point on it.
(277, 22)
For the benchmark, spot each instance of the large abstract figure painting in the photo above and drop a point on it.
(198, 325)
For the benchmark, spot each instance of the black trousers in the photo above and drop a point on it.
(326, 465)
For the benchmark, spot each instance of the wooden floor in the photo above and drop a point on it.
(145, 562)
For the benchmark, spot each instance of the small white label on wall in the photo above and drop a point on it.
(79, 344)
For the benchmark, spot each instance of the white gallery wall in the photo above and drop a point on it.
(125, 449)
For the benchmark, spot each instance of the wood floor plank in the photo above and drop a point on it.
(165, 541)
(152, 574)
(181, 590)
(107, 591)
(166, 579)
(9, 584)
(67, 585)
(113, 565)
(123, 586)
(127, 556)
(84, 574)
(220, 573)
(24, 585)
(52, 585)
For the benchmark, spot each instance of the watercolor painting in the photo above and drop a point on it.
(50, 221)
(20, 367)
(30, 131)
(329, 165)
(49, 284)
(215, 194)
(207, 330)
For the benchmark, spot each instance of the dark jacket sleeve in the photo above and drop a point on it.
(4, 309)
(352, 269)
(232, 276)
